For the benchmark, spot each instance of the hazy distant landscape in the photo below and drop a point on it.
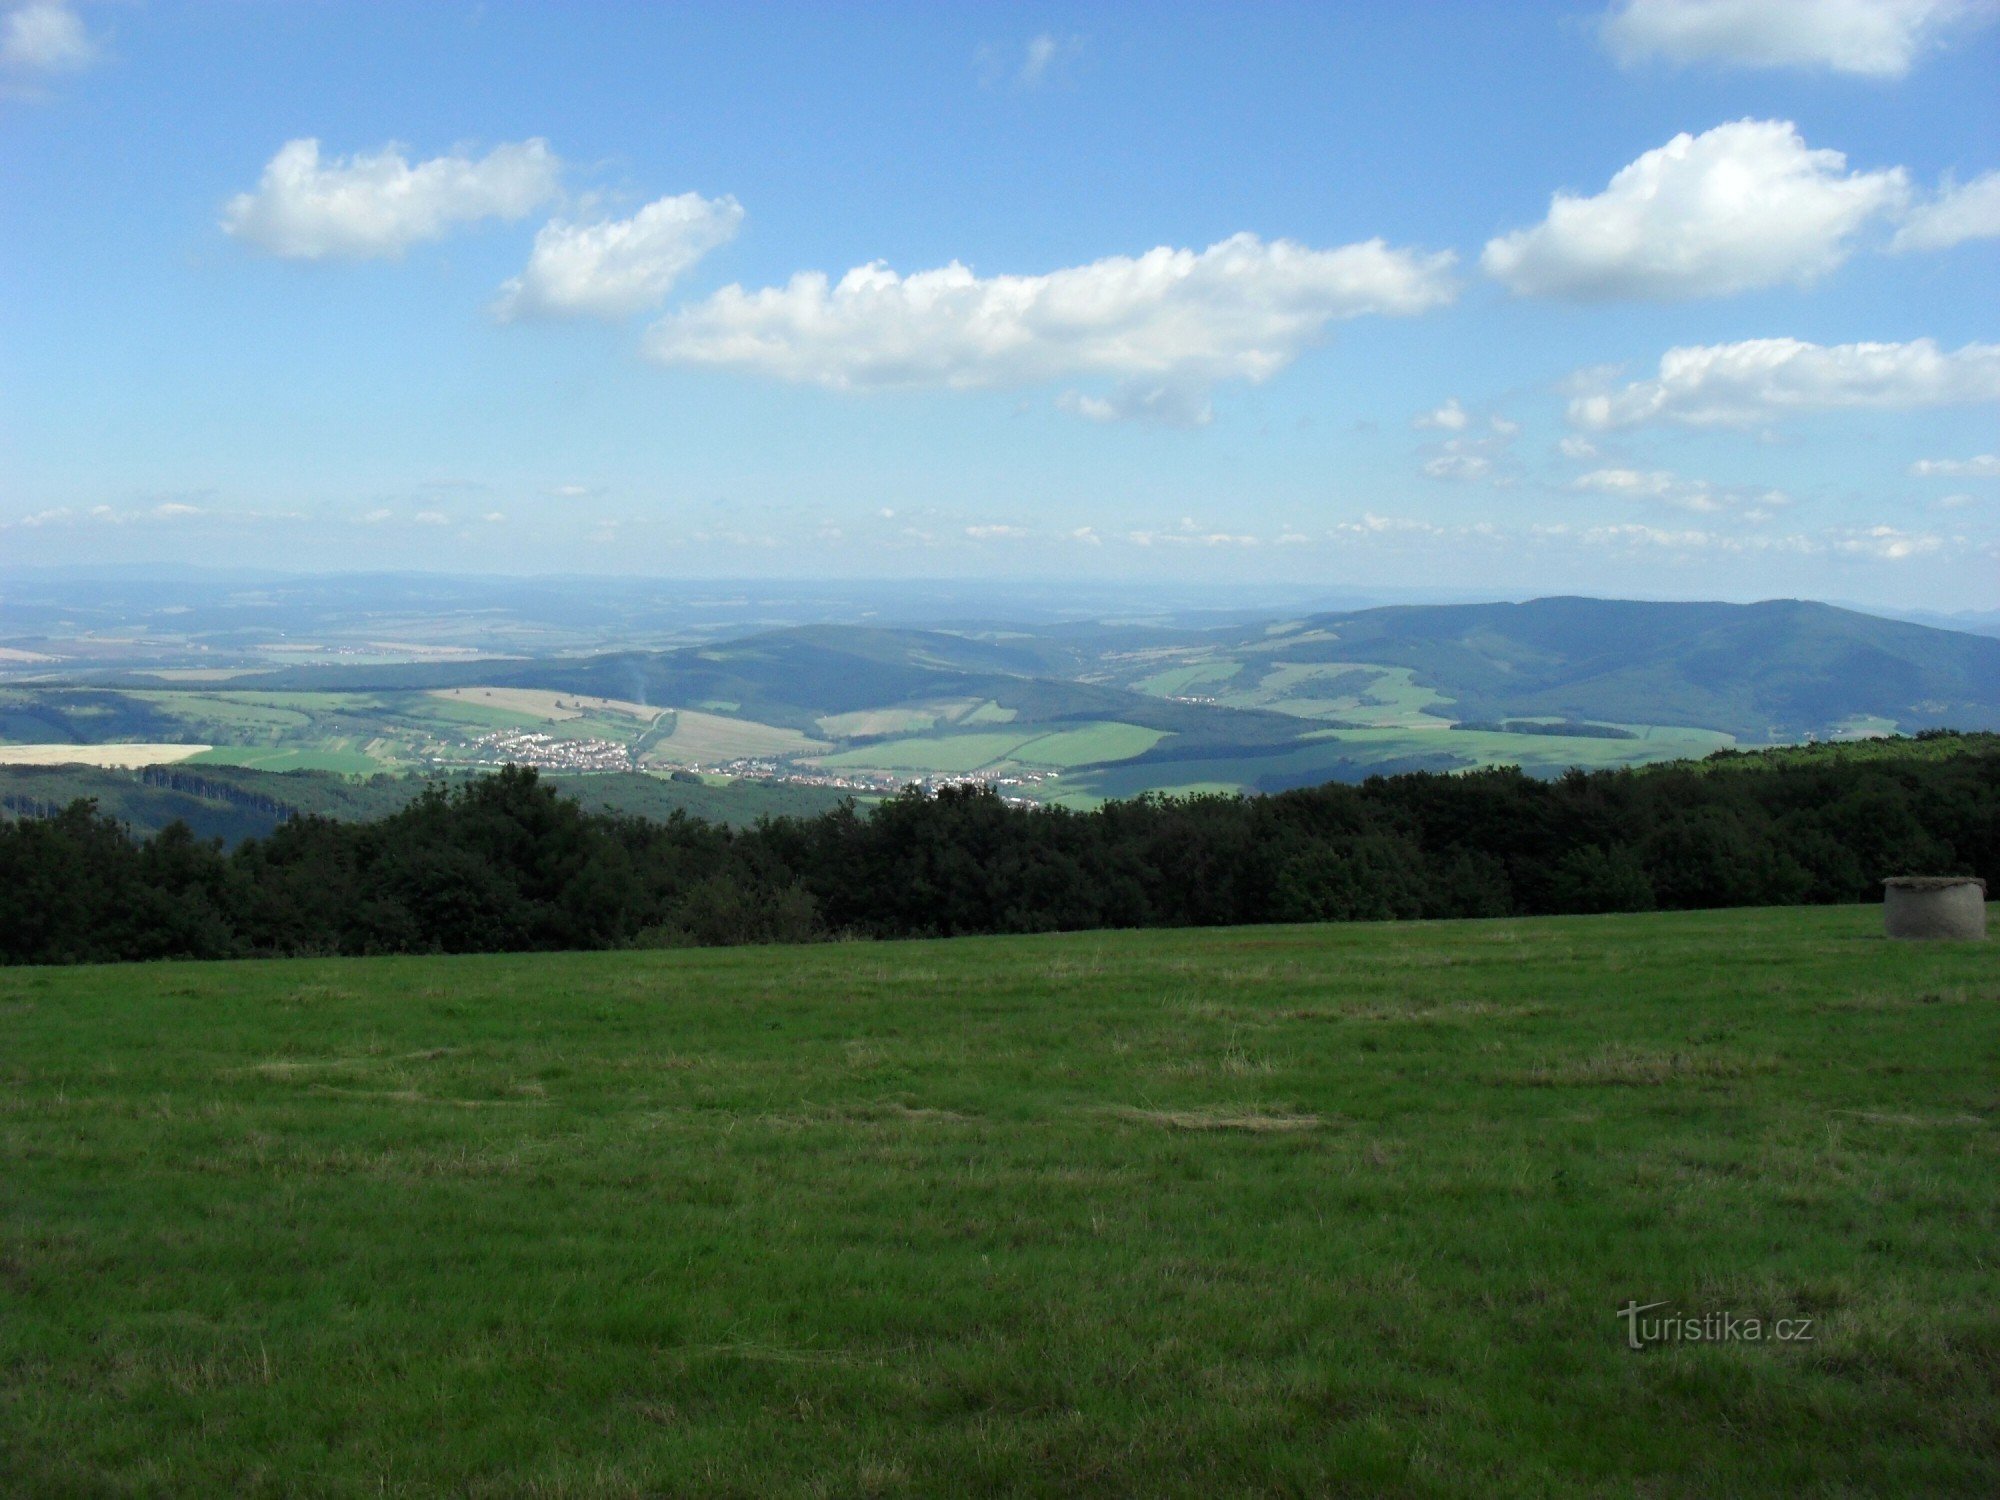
(1070, 712)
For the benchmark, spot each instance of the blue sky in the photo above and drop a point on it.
(1229, 292)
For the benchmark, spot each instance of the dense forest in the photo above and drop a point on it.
(508, 862)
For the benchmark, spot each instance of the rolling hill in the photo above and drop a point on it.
(1077, 712)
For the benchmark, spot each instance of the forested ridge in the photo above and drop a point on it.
(507, 862)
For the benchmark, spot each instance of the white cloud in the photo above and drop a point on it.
(377, 516)
(1189, 535)
(618, 267)
(1467, 457)
(1087, 535)
(1887, 543)
(174, 510)
(45, 36)
(1451, 417)
(431, 518)
(1664, 487)
(360, 207)
(1168, 405)
(995, 533)
(570, 491)
(1741, 206)
(1242, 309)
(1984, 466)
(1371, 525)
(1576, 447)
(494, 517)
(1873, 38)
(1456, 463)
(1955, 502)
(1955, 215)
(1760, 380)
(1649, 485)
(1046, 56)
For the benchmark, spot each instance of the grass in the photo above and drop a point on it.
(285, 758)
(950, 754)
(699, 737)
(1283, 1210)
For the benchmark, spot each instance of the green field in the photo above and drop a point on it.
(1277, 1210)
(953, 754)
(280, 758)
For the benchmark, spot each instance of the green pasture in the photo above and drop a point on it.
(950, 754)
(1334, 1210)
(284, 758)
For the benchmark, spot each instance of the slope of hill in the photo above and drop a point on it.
(1079, 712)
(1779, 670)
(233, 803)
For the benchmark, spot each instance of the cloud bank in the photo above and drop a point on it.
(1742, 206)
(1869, 38)
(1958, 214)
(619, 267)
(1761, 380)
(45, 36)
(1242, 309)
(370, 207)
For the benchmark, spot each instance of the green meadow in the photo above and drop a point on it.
(1299, 1210)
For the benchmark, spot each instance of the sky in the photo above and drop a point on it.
(1662, 298)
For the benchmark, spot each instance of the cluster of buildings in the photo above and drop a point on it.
(545, 752)
(878, 783)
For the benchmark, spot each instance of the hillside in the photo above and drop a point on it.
(1305, 1210)
(1077, 713)
(233, 803)
(1780, 670)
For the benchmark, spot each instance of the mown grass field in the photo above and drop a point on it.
(1276, 1210)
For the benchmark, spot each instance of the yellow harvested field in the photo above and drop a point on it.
(112, 757)
(554, 707)
(699, 739)
(14, 653)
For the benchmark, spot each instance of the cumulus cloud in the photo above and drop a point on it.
(1871, 38)
(1983, 466)
(1887, 543)
(1451, 417)
(366, 206)
(1242, 309)
(616, 268)
(1468, 456)
(1955, 215)
(1741, 206)
(1759, 380)
(1458, 462)
(1163, 405)
(45, 36)
(1663, 487)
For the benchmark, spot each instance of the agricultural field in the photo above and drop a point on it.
(111, 757)
(1274, 1210)
(1077, 714)
(1027, 747)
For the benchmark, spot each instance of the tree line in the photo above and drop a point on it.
(508, 863)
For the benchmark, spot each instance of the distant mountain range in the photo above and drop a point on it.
(1770, 672)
